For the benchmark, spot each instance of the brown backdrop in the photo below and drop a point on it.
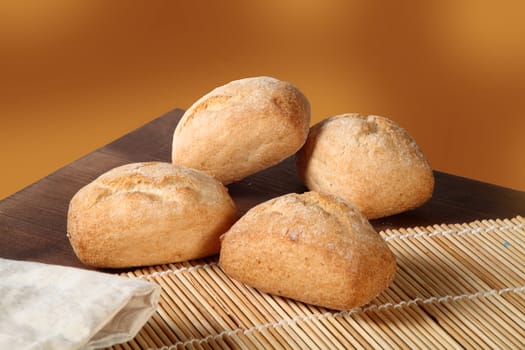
(77, 74)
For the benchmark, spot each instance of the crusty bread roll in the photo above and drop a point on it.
(241, 128)
(310, 247)
(147, 214)
(368, 160)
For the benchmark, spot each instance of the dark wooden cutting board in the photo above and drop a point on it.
(33, 221)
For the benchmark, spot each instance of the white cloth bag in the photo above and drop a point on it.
(55, 307)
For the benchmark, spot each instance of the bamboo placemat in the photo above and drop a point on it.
(457, 286)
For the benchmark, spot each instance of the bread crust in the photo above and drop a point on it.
(310, 247)
(370, 161)
(241, 128)
(148, 213)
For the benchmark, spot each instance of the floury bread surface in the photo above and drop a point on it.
(147, 214)
(241, 128)
(310, 247)
(368, 160)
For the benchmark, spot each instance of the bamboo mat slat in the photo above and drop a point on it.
(457, 286)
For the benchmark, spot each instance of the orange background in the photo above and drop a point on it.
(77, 74)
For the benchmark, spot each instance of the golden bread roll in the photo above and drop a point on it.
(310, 247)
(241, 128)
(148, 213)
(368, 160)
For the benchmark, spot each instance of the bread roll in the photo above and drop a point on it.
(241, 128)
(310, 247)
(147, 214)
(368, 160)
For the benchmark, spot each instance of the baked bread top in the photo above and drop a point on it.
(152, 181)
(312, 218)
